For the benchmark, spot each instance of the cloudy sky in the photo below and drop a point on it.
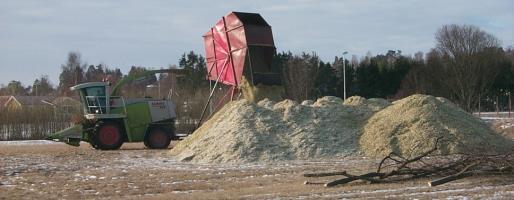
(36, 36)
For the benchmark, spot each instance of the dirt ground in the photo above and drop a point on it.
(48, 170)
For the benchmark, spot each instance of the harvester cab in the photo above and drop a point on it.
(95, 98)
(111, 120)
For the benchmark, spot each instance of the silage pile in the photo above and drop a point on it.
(267, 131)
(330, 128)
(256, 93)
(411, 125)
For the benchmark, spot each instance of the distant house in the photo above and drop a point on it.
(61, 104)
(27, 102)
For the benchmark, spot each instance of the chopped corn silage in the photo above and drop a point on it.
(329, 128)
(269, 131)
(411, 125)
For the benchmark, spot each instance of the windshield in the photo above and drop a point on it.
(95, 91)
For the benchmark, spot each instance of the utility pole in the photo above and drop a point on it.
(510, 104)
(479, 105)
(497, 107)
(344, 76)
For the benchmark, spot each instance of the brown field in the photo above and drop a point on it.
(40, 170)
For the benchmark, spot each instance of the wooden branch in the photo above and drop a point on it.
(403, 169)
(351, 178)
(313, 183)
(506, 169)
(462, 174)
(454, 177)
(404, 164)
(449, 178)
(324, 174)
(382, 162)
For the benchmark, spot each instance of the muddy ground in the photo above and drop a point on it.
(47, 170)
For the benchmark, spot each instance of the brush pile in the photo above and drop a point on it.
(396, 168)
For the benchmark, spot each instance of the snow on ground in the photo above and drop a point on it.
(496, 118)
(26, 142)
(503, 189)
(56, 171)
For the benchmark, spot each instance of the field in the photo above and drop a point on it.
(48, 170)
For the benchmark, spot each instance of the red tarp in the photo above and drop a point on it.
(226, 45)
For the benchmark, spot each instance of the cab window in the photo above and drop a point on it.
(95, 91)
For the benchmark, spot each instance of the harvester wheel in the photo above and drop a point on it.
(108, 137)
(157, 139)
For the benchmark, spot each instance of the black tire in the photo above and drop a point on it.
(157, 138)
(108, 136)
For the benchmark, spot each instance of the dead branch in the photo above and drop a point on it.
(396, 168)
(449, 178)
(462, 174)
(403, 165)
(313, 183)
(324, 174)
(350, 178)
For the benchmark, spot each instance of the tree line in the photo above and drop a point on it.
(467, 65)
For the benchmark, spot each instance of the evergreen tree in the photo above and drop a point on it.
(95, 73)
(196, 69)
(42, 86)
(349, 71)
(326, 80)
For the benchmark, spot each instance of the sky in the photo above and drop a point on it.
(36, 36)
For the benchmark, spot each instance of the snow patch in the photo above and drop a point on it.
(26, 142)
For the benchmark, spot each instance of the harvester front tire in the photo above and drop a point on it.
(157, 139)
(108, 137)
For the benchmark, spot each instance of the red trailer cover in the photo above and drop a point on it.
(226, 45)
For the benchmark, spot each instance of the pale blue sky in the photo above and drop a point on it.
(36, 35)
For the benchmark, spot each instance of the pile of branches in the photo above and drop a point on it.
(396, 168)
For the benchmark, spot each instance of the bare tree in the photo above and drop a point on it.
(469, 62)
(355, 60)
(72, 73)
(418, 57)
